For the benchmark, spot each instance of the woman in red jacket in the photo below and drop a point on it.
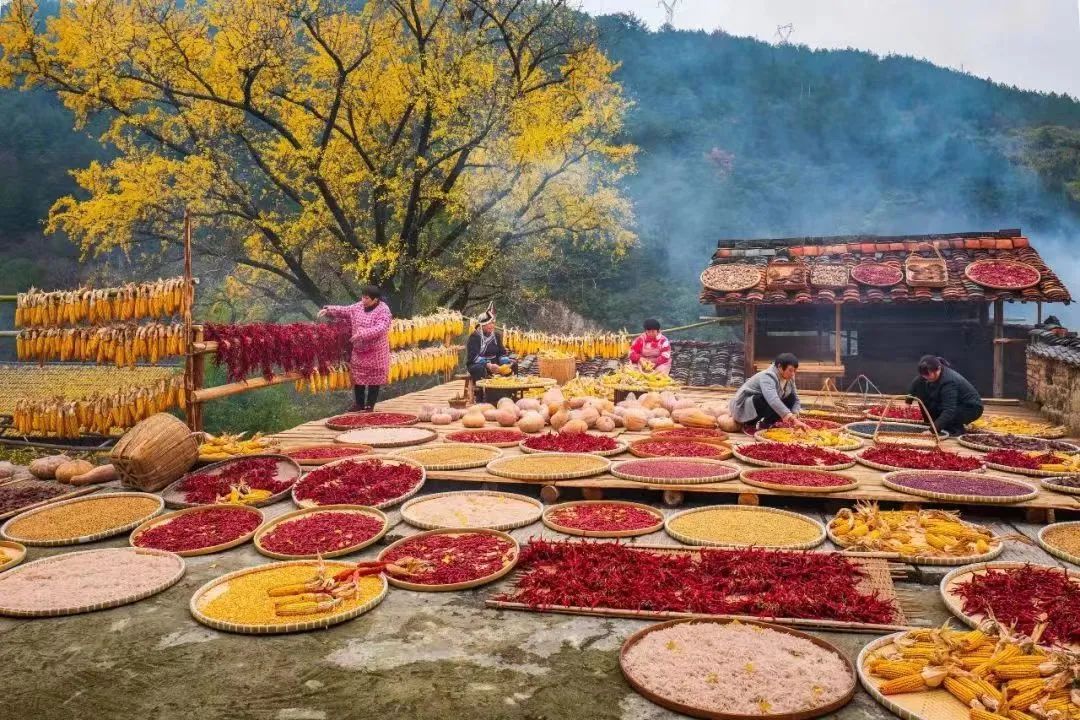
(651, 350)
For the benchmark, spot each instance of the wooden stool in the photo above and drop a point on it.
(470, 388)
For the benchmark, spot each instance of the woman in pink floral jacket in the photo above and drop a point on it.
(369, 366)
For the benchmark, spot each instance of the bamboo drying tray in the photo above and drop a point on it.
(1031, 473)
(1052, 432)
(1014, 263)
(75, 492)
(699, 712)
(76, 609)
(765, 463)
(428, 436)
(658, 525)
(747, 476)
(408, 510)
(963, 440)
(691, 540)
(269, 527)
(891, 481)
(720, 438)
(1047, 485)
(620, 447)
(1054, 549)
(317, 462)
(5, 530)
(324, 620)
(935, 704)
(596, 466)
(208, 550)
(412, 420)
(853, 443)
(508, 444)
(419, 587)
(526, 384)
(752, 272)
(494, 453)
(894, 468)
(286, 467)
(996, 547)
(724, 472)
(378, 506)
(635, 448)
(915, 429)
(855, 274)
(14, 552)
(834, 414)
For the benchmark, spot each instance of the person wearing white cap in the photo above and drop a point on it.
(485, 352)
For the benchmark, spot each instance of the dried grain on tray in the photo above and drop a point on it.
(450, 454)
(820, 438)
(25, 493)
(740, 525)
(674, 471)
(571, 443)
(550, 464)
(467, 509)
(998, 441)
(797, 479)
(678, 447)
(1016, 426)
(954, 483)
(85, 517)
(737, 668)
(1064, 537)
(487, 437)
(386, 436)
(373, 419)
(198, 529)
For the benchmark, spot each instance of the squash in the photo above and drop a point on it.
(45, 468)
(530, 422)
(605, 424)
(456, 414)
(575, 427)
(442, 418)
(473, 420)
(506, 404)
(527, 404)
(100, 474)
(559, 419)
(68, 470)
(659, 413)
(683, 405)
(578, 402)
(490, 415)
(635, 420)
(728, 423)
(426, 411)
(650, 400)
(661, 423)
(668, 400)
(505, 418)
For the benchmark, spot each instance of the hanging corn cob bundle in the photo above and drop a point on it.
(336, 378)
(609, 346)
(424, 361)
(119, 345)
(100, 414)
(440, 326)
(133, 301)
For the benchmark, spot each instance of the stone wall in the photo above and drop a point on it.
(1055, 385)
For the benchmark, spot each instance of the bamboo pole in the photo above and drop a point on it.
(749, 331)
(222, 391)
(999, 349)
(836, 341)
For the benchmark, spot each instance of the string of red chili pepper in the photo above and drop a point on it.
(793, 454)
(358, 482)
(268, 347)
(920, 459)
(1017, 459)
(571, 443)
(760, 583)
(678, 448)
(324, 453)
(257, 473)
(1026, 596)
(202, 528)
(356, 420)
(798, 478)
(605, 517)
(486, 436)
(453, 558)
(321, 532)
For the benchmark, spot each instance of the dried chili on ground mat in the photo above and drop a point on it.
(603, 517)
(321, 532)
(920, 459)
(358, 482)
(204, 488)
(199, 529)
(762, 583)
(448, 559)
(571, 442)
(1026, 596)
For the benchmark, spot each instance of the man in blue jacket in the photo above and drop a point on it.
(769, 397)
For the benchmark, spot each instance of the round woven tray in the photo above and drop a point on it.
(529, 384)
(344, 437)
(898, 421)
(286, 468)
(1031, 473)
(890, 481)
(958, 575)
(853, 443)
(14, 552)
(658, 525)
(378, 506)
(496, 467)
(324, 620)
(494, 453)
(869, 435)
(263, 531)
(699, 712)
(74, 608)
(634, 448)
(724, 473)
(834, 414)
(1055, 432)
(508, 444)
(5, 530)
(855, 275)
(893, 468)
(1015, 263)
(619, 449)
(406, 585)
(928, 705)
(747, 476)
(713, 285)
(208, 550)
(408, 510)
(962, 439)
(76, 492)
(412, 420)
(720, 438)
(316, 462)
(689, 540)
(996, 548)
(1054, 549)
(1047, 485)
(766, 463)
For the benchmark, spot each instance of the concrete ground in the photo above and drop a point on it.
(418, 655)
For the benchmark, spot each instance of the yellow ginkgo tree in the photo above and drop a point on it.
(323, 144)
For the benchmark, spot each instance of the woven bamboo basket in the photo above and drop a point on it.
(617, 450)
(457, 434)
(957, 577)
(561, 370)
(982, 447)
(893, 468)
(1015, 263)
(748, 477)
(691, 540)
(409, 510)
(1054, 549)
(356, 437)
(209, 549)
(935, 704)
(996, 547)
(13, 554)
(287, 469)
(849, 442)
(723, 473)
(926, 272)
(590, 465)
(1031, 473)
(549, 522)
(765, 463)
(75, 492)
(269, 527)
(864, 429)
(636, 449)
(8, 528)
(1048, 485)
(891, 480)
(515, 553)
(417, 454)
(155, 453)
(316, 462)
(378, 506)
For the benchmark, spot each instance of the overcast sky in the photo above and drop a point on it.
(1029, 43)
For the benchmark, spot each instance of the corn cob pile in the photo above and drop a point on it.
(225, 446)
(1016, 426)
(403, 365)
(997, 675)
(439, 326)
(158, 299)
(587, 387)
(630, 377)
(911, 533)
(119, 345)
(99, 413)
(610, 346)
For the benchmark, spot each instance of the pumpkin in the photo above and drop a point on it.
(526, 404)
(635, 420)
(426, 411)
(661, 423)
(728, 423)
(505, 418)
(559, 419)
(441, 418)
(68, 470)
(605, 424)
(683, 405)
(506, 404)
(456, 413)
(490, 415)
(575, 427)
(45, 468)
(530, 422)
(473, 420)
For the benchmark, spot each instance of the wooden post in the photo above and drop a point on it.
(749, 330)
(198, 379)
(999, 349)
(191, 367)
(837, 354)
(1038, 312)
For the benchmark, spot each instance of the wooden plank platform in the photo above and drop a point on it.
(1040, 509)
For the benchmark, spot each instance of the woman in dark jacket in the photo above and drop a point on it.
(951, 400)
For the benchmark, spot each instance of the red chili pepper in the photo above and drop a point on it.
(269, 347)
(920, 459)
(486, 436)
(199, 529)
(571, 442)
(606, 517)
(1026, 596)
(1003, 274)
(324, 453)
(798, 478)
(793, 454)
(204, 488)
(678, 448)
(1017, 459)
(450, 559)
(321, 532)
(910, 413)
(357, 420)
(358, 482)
